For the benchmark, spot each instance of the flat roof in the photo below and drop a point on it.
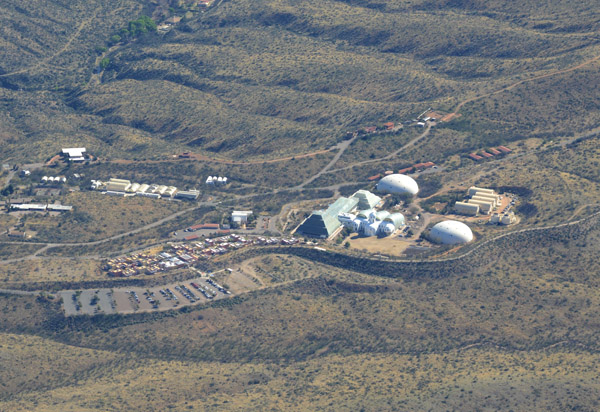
(74, 151)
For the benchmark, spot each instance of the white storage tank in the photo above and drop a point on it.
(451, 232)
(398, 184)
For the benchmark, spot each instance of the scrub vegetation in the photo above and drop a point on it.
(265, 92)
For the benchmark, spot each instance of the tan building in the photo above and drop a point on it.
(508, 218)
(488, 195)
(463, 208)
(484, 206)
(492, 199)
(473, 190)
(503, 219)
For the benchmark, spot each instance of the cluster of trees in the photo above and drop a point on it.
(135, 28)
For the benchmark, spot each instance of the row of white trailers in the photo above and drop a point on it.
(143, 189)
(54, 179)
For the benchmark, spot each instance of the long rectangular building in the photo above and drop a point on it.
(493, 200)
(466, 209)
(473, 190)
(484, 207)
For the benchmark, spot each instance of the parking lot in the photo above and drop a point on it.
(201, 289)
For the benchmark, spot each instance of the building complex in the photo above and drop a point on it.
(123, 187)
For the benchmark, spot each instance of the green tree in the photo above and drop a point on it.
(104, 63)
(140, 26)
(115, 39)
(8, 190)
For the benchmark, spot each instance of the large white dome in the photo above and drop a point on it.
(451, 232)
(398, 184)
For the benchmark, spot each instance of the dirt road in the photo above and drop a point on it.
(460, 105)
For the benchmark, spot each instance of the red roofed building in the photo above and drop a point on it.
(388, 125)
(475, 156)
(370, 129)
(486, 154)
(370, 179)
(504, 149)
(428, 164)
(191, 237)
(494, 151)
(405, 170)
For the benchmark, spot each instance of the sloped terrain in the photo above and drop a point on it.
(521, 338)
(275, 77)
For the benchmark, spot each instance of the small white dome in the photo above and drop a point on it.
(398, 184)
(387, 228)
(451, 232)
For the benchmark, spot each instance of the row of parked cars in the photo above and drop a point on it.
(209, 290)
(205, 290)
(219, 287)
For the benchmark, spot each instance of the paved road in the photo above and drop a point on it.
(342, 147)
(452, 258)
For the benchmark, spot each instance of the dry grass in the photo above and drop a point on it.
(31, 363)
(388, 246)
(97, 216)
(555, 380)
(48, 269)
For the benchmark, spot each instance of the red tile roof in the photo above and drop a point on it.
(486, 154)
(504, 149)
(475, 156)
(494, 151)
(374, 177)
(405, 170)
